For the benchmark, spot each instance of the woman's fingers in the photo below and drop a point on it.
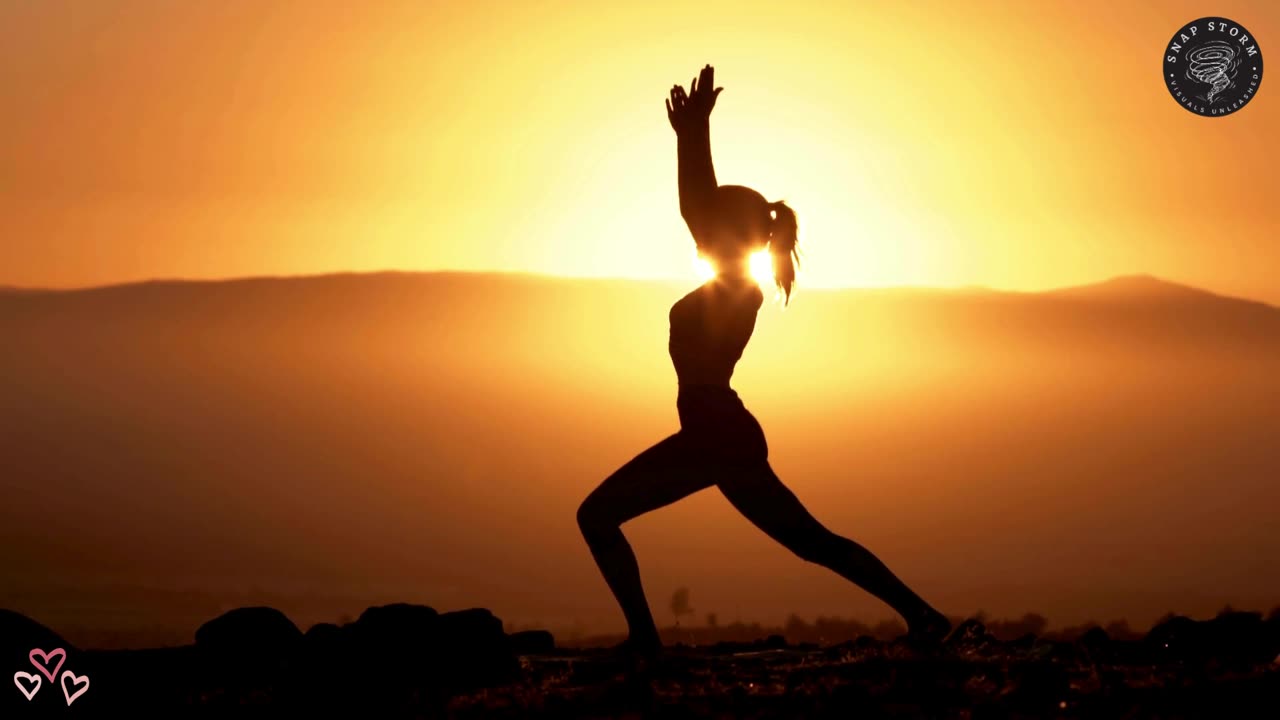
(676, 107)
(701, 96)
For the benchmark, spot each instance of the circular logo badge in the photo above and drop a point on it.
(1213, 66)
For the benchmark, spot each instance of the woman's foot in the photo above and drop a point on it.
(638, 649)
(928, 630)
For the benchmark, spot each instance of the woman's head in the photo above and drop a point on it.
(742, 221)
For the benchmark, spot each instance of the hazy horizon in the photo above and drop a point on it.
(1139, 277)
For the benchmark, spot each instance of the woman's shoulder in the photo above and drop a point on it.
(684, 301)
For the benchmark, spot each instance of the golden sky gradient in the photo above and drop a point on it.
(1016, 145)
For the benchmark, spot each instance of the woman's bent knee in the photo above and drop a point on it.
(593, 521)
(586, 516)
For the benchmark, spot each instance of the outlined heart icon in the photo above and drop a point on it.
(45, 660)
(71, 697)
(33, 680)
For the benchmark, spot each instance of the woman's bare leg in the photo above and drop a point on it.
(763, 499)
(657, 477)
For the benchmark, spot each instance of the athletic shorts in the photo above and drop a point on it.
(717, 423)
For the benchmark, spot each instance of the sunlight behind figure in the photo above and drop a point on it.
(702, 268)
(761, 264)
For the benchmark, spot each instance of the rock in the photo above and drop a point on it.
(1094, 637)
(326, 639)
(323, 632)
(21, 634)
(415, 646)
(469, 626)
(1177, 638)
(1095, 645)
(775, 642)
(531, 642)
(398, 622)
(250, 634)
(1241, 637)
(404, 640)
(475, 649)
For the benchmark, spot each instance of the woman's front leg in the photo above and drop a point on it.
(659, 476)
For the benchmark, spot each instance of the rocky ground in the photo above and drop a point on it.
(410, 661)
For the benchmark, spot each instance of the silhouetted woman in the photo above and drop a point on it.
(719, 442)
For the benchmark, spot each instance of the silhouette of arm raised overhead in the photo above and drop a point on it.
(690, 117)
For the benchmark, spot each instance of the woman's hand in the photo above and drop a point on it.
(694, 109)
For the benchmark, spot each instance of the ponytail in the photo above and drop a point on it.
(782, 245)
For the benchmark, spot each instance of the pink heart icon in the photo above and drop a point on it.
(46, 658)
(71, 696)
(33, 680)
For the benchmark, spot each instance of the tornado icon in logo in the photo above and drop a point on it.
(1214, 64)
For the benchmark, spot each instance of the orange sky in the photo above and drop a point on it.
(1014, 145)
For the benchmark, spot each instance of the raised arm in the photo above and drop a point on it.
(690, 117)
(696, 175)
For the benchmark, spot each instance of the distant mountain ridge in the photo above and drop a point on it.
(1139, 286)
(1146, 288)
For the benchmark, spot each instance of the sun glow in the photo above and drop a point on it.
(761, 264)
(762, 267)
(702, 267)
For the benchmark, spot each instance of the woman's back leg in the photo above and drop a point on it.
(659, 476)
(757, 492)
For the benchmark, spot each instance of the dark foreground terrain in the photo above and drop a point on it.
(410, 661)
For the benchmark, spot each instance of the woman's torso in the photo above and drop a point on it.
(710, 328)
